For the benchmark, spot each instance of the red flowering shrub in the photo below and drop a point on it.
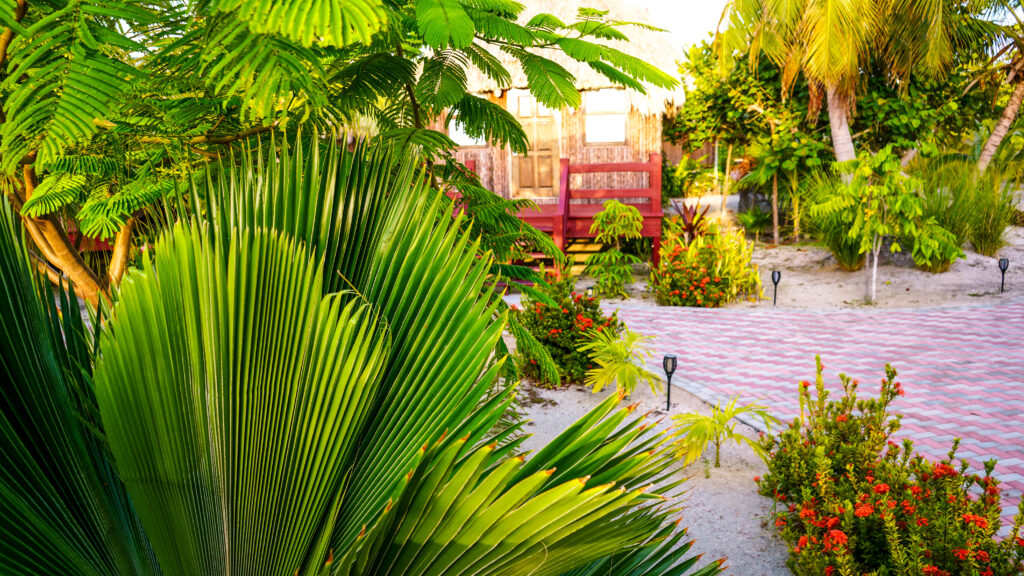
(711, 270)
(852, 501)
(562, 329)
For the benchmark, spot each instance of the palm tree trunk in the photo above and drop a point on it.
(775, 209)
(1002, 127)
(839, 122)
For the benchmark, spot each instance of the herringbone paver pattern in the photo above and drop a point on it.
(962, 367)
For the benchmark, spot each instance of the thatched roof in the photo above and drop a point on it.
(652, 47)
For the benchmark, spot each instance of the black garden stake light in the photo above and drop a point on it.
(1004, 263)
(776, 276)
(590, 291)
(669, 364)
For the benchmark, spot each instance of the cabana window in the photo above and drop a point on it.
(605, 121)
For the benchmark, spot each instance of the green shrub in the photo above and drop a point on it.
(974, 207)
(755, 220)
(710, 271)
(852, 501)
(562, 329)
(831, 230)
(612, 268)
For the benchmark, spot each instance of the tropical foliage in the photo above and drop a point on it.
(713, 269)
(851, 500)
(611, 267)
(110, 107)
(257, 400)
(696, 431)
(880, 200)
(562, 320)
(620, 360)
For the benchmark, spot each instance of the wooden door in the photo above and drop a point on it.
(535, 175)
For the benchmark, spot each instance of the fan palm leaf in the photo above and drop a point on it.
(63, 508)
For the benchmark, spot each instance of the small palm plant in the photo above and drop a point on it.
(612, 268)
(697, 430)
(621, 360)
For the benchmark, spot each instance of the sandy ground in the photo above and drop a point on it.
(811, 278)
(723, 512)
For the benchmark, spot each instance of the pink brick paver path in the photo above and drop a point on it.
(962, 367)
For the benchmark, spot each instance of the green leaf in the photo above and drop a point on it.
(444, 23)
(63, 508)
(268, 474)
(332, 22)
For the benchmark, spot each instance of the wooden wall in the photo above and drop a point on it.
(643, 137)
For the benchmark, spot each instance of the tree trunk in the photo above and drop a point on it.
(796, 209)
(839, 122)
(56, 247)
(1002, 127)
(728, 179)
(871, 267)
(122, 250)
(775, 209)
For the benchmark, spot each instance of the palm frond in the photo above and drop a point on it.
(63, 508)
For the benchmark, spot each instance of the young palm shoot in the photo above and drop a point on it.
(697, 430)
(621, 359)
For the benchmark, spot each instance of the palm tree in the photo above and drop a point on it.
(830, 42)
(1014, 77)
(300, 380)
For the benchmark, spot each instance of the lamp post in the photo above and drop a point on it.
(590, 292)
(1004, 263)
(776, 276)
(669, 364)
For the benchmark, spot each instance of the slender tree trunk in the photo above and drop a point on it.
(1002, 127)
(122, 250)
(839, 122)
(728, 179)
(796, 208)
(775, 209)
(871, 269)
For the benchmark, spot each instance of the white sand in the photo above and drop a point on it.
(722, 513)
(811, 278)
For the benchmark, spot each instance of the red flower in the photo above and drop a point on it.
(899, 389)
(757, 478)
(842, 418)
(922, 521)
(881, 488)
(976, 520)
(802, 543)
(838, 537)
(863, 510)
(981, 555)
(961, 553)
(829, 571)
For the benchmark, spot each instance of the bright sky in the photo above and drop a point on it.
(688, 21)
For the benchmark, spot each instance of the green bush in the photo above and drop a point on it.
(562, 329)
(974, 207)
(830, 229)
(712, 270)
(853, 501)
